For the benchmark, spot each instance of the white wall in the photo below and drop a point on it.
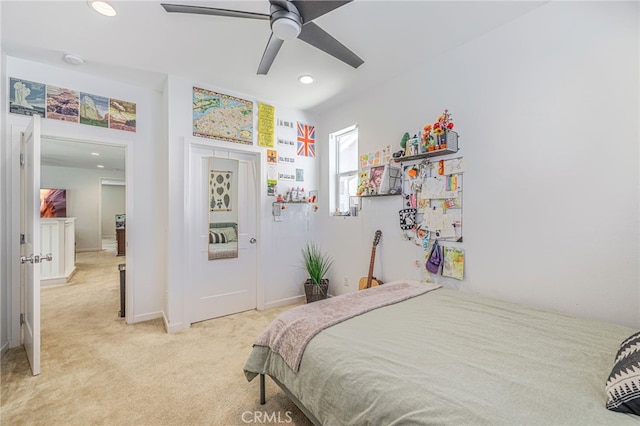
(113, 203)
(547, 108)
(83, 200)
(5, 301)
(275, 263)
(146, 233)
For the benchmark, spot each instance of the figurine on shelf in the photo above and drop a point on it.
(279, 199)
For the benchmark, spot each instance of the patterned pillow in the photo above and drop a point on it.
(623, 385)
(229, 232)
(217, 238)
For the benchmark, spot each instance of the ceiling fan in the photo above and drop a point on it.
(289, 19)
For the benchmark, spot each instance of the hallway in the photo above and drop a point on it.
(92, 296)
(98, 370)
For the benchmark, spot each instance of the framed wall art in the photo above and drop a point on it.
(220, 190)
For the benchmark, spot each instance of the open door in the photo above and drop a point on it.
(30, 247)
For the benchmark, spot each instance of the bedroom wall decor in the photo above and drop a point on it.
(220, 190)
(306, 140)
(431, 203)
(63, 104)
(94, 110)
(266, 125)
(122, 115)
(53, 203)
(453, 262)
(58, 103)
(223, 229)
(222, 117)
(26, 97)
(272, 171)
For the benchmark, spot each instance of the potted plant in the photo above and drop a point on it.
(317, 265)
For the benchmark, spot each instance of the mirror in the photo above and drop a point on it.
(223, 208)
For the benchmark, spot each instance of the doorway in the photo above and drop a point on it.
(94, 177)
(113, 215)
(222, 282)
(59, 158)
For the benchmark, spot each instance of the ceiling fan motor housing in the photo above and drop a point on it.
(286, 22)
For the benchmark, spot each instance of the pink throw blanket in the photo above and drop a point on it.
(289, 334)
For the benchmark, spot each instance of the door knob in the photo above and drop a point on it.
(36, 258)
(252, 240)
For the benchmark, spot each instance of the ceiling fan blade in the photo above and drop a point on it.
(199, 10)
(317, 37)
(270, 52)
(310, 10)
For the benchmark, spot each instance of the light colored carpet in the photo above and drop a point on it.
(96, 370)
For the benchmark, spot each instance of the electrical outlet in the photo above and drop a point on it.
(345, 282)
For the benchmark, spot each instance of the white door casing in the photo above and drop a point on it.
(30, 250)
(223, 286)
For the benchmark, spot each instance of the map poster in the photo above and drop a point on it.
(222, 117)
(63, 104)
(266, 125)
(26, 97)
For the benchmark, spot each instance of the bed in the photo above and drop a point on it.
(223, 240)
(447, 357)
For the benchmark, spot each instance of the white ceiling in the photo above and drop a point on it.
(81, 154)
(143, 43)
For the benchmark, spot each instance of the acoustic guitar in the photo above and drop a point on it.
(370, 280)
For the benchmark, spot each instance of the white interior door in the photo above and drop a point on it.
(30, 250)
(222, 286)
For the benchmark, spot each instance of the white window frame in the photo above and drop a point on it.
(334, 192)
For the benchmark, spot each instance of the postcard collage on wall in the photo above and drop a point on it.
(228, 118)
(58, 103)
(294, 140)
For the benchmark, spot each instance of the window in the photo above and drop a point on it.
(344, 168)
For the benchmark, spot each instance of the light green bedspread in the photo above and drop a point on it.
(453, 358)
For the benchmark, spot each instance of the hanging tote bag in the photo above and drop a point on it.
(435, 258)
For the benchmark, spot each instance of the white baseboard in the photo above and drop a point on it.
(57, 281)
(4, 349)
(88, 249)
(285, 302)
(174, 328)
(147, 317)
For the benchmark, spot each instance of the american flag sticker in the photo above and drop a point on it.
(306, 140)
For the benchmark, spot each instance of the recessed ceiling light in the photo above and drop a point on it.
(73, 59)
(305, 79)
(102, 7)
(95, 153)
(100, 166)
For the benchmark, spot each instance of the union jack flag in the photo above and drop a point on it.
(306, 140)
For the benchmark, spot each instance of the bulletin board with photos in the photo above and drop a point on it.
(433, 190)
